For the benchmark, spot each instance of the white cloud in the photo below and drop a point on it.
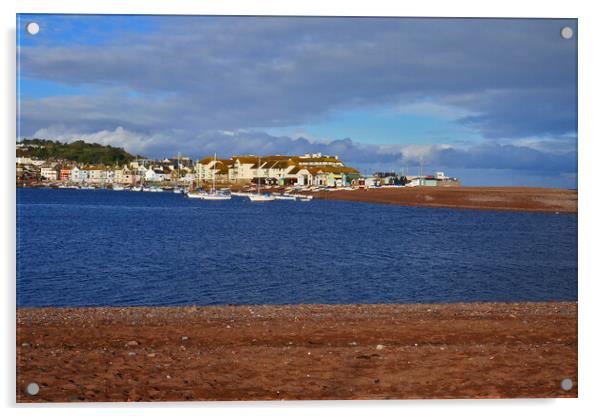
(435, 109)
(133, 142)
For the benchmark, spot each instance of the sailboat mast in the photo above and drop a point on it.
(258, 177)
(214, 163)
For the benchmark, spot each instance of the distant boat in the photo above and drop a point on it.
(136, 189)
(177, 190)
(195, 195)
(304, 198)
(259, 197)
(118, 188)
(285, 197)
(214, 194)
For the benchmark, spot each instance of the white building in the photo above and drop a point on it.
(242, 168)
(78, 175)
(97, 174)
(49, 172)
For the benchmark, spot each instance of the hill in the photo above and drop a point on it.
(78, 151)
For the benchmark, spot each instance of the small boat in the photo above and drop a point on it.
(118, 188)
(214, 194)
(285, 197)
(156, 189)
(259, 197)
(177, 190)
(304, 198)
(136, 189)
(196, 195)
(87, 188)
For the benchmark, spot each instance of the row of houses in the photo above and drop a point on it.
(392, 178)
(306, 170)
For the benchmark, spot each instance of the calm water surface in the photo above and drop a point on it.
(92, 248)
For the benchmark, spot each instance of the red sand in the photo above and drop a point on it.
(297, 352)
(492, 198)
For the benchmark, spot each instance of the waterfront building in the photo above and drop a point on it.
(209, 166)
(242, 169)
(65, 173)
(305, 170)
(78, 175)
(49, 171)
(96, 174)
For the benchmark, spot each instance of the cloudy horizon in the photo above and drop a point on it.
(491, 101)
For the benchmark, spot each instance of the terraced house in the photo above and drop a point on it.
(306, 170)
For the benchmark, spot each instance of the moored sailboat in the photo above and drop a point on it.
(259, 197)
(214, 194)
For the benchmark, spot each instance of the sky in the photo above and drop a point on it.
(490, 101)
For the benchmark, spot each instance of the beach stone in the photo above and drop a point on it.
(131, 353)
(131, 344)
(25, 344)
(380, 347)
(151, 355)
(353, 343)
(184, 338)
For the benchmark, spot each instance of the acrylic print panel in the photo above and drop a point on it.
(266, 208)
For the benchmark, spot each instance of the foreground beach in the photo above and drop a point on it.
(297, 352)
(485, 198)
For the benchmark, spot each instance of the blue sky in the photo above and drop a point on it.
(492, 101)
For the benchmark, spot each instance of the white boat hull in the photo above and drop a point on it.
(260, 198)
(216, 197)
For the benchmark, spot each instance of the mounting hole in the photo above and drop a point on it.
(566, 32)
(32, 28)
(566, 384)
(32, 389)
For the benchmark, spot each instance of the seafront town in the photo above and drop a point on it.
(311, 171)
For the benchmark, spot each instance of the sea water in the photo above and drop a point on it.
(100, 248)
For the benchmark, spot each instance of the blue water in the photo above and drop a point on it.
(92, 248)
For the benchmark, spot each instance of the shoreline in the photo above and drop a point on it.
(518, 199)
(505, 199)
(297, 352)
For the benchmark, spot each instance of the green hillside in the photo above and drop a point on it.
(79, 151)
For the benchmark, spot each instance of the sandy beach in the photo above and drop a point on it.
(482, 198)
(479, 350)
